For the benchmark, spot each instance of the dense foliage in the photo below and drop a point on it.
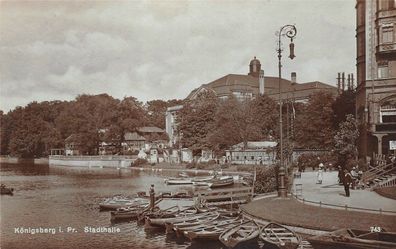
(206, 122)
(346, 142)
(33, 130)
(314, 125)
(211, 123)
(265, 180)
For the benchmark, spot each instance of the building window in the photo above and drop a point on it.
(252, 157)
(237, 157)
(383, 71)
(387, 34)
(387, 4)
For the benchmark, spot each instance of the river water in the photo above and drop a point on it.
(63, 197)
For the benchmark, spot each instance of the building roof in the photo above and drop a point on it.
(255, 145)
(133, 136)
(150, 129)
(174, 108)
(254, 61)
(230, 83)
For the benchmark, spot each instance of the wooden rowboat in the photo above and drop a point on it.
(160, 222)
(161, 213)
(191, 220)
(178, 181)
(128, 213)
(353, 239)
(210, 231)
(220, 221)
(239, 234)
(280, 236)
(121, 202)
(221, 181)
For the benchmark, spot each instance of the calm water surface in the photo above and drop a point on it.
(53, 197)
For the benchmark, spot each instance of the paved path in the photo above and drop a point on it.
(332, 193)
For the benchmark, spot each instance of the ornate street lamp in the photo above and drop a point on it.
(289, 31)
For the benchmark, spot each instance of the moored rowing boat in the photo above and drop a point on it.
(280, 236)
(191, 220)
(210, 230)
(121, 202)
(353, 238)
(241, 233)
(160, 221)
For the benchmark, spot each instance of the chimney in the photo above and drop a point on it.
(352, 83)
(293, 77)
(343, 81)
(349, 82)
(339, 83)
(261, 82)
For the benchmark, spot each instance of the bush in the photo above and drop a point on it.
(191, 165)
(245, 168)
(139, 162)
(266, 180)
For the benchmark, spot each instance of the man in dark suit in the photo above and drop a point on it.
(347, 182)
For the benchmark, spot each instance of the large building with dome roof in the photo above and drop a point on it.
(249, 86)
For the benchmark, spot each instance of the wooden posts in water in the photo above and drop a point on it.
(152, 197)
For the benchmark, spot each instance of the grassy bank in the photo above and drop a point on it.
(389, 192)
(294, 213)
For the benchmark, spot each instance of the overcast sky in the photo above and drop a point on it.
(162, 49)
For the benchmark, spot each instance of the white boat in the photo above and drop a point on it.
(208, 184)
(121, 202)
(178, 181)
(222, 181)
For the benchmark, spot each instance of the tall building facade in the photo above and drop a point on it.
(376, 76)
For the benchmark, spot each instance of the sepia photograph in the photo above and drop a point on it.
(198, 124)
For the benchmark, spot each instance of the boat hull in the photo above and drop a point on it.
(7, 191)
(240, 234)
(279, 236)
(354, 239)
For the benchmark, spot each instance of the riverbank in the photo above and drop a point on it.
(294, 213)
(16, 160)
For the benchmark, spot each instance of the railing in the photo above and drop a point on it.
(91, 158)
(390, 183)
(379, 171)
(225, 196)
(345, 207)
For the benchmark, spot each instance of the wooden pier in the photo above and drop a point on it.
(222, 197)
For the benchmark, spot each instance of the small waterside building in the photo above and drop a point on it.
(254, 153)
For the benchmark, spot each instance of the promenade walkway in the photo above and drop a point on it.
(295, 213)
(332, 193)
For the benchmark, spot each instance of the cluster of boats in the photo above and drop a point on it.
(212, 181)
(230, 228)
(201, 223)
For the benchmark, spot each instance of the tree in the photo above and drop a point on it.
(156, 110)
(31, 135)
(343, 105)
(265, 114)
(346, 140)
(242, 121)
(313, 126)
(195, 121)
(128, 116)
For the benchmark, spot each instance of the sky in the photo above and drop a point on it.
(56, 50)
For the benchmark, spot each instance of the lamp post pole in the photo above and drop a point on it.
(290, 31)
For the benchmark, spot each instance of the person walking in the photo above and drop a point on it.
(340, 175)
(320, 174)
(347, 182)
